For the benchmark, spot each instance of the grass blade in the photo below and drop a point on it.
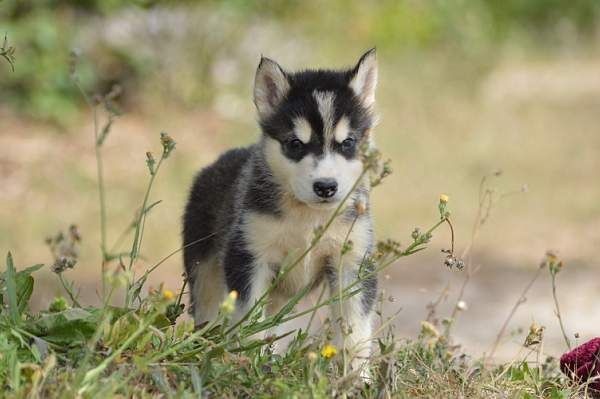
(196, 381)
(11, 289)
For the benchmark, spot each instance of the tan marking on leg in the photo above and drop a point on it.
(209, 290)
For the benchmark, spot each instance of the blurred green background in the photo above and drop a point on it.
(466, 88)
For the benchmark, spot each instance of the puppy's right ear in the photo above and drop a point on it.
(270, 87)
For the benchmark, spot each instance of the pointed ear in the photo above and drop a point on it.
(270, 86)
(363, 80)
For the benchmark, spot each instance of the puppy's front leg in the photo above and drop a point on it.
(244, 273)
(352, 317)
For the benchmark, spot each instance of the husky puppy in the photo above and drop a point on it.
(257, 207)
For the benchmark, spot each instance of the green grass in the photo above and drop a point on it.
(144, 351)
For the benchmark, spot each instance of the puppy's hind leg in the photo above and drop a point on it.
(208, 291)
(276, 303)
(352, 318)
(251, 285)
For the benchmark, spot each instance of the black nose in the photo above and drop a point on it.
(325, 188)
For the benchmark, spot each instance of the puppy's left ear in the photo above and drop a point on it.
(363, 78)
(271, 85)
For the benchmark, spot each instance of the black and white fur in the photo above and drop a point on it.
(256, 206)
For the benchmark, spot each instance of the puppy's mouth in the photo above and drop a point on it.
(315, 202)
(327, 201)
(324, 203)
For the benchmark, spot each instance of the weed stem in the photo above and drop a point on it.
(519, 302)
(557, 311)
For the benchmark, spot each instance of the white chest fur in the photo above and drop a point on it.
(280, 241)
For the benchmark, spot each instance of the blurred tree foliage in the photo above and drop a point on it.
(45, 32)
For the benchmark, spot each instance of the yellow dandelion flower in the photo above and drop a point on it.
(228, 305)
(328, 351)
(551, 256)
(168, 295)
(444, 198)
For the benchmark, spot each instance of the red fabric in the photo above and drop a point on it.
(583, 363)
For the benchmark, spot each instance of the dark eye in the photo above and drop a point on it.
(348, 144)
(295, 145)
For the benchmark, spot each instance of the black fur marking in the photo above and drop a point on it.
(369, 286)
(300, 102)
(263, 193)
(330, 272)
(238, 263)
(203, 222)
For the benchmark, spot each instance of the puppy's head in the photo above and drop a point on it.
(313, 123)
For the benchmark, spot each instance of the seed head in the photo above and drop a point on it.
(74, 233)
(553, 263)
(429, 330)
(58, 304)
(416, 233)
(168, 144)
(360, 207)
(64, 248)
(150, 161)
(442, 206)
(535, 336)
(347, 247)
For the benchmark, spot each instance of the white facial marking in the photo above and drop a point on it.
(342, 129)
(325, 101)
(302, 129)
(298, 178)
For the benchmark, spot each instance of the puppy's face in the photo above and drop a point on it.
(313, 124)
